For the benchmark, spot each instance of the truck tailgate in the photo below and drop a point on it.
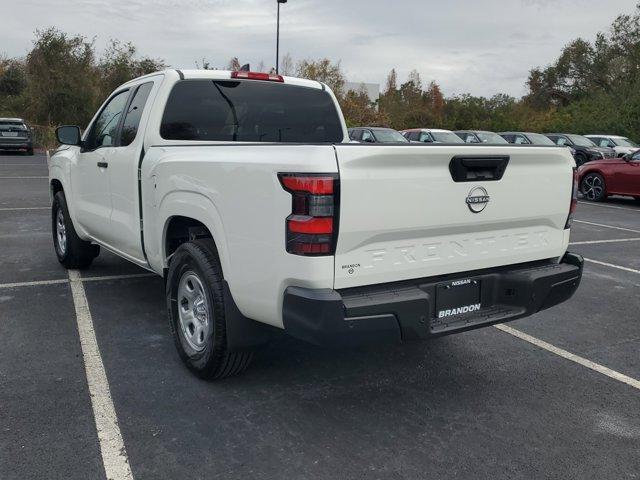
(403, 216)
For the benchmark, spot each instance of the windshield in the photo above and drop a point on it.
(12, 126)
(581, 141)
(389, 136)
(250, 111)
(537, 139)
(625, 142)
(446, 137)
(490, 137)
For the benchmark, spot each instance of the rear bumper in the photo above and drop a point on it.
(406, 310)
(15, 145)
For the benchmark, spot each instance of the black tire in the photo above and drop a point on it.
(76, 253)
(30, 151)
(580, 159)
(209, 358)
(593, 187)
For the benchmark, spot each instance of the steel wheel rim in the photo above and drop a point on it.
(61, 232)
(193, 311)
(593, 187)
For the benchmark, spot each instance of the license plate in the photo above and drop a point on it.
(9, 134)
(457, 297)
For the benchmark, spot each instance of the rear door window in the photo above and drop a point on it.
(134, 113)
(250, 111)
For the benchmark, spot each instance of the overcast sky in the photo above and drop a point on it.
(477, 46)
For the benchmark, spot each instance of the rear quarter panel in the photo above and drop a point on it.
(234, 190)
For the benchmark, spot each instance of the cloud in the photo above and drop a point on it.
(467, 46)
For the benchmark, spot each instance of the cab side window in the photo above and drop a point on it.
(104, 130)
(520, 140)
(134, 113)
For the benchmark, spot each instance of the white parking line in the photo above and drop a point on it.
(609, 206)
(607, 226)
(33, 284)
(596, 367)
(86, 279)
(615, 240)
(9, 209)
(114, 454)
(619, 267)
(118, 277)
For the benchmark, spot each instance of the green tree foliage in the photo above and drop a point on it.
(61, 80)
(324, 71)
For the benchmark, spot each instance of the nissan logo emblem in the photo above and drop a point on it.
(477, 199)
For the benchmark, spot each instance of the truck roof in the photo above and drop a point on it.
(226, 75)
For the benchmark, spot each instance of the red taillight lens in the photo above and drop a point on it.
(574, 199)
(311, 227)
(317, 185)
(267, 77)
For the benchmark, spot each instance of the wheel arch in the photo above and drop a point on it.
(191, 215)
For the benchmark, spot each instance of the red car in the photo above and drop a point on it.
(611, 176)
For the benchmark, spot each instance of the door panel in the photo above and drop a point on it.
(90, 178)
(123, 172)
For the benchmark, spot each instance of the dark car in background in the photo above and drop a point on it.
(585, 149)
(376, 135)
(15, 134)
(480, 136)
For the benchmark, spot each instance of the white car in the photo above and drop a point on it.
(622, 145)
(242, 190)
(431, 135)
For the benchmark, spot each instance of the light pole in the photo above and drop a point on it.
(278, 37)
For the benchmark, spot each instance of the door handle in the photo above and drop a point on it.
(103, 164)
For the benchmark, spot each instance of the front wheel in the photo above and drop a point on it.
(196, 309)
(71, 250)
(593, 187)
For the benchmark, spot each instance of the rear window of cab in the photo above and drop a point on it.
(250, 111)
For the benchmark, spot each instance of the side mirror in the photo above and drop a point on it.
(627, 157)
(68, 135)
(369, 140)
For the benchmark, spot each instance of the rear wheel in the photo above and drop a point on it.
(580, 159)
(593, 187)
(196, 308)
(71, 250)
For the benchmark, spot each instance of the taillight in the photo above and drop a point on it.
(574, 199)
(312, 227)
(267, 77)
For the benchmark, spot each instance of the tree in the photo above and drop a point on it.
(61, 80)
(323, 71)
(287, 66)
(119, 65)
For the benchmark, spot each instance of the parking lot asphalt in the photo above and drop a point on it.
(482, 404)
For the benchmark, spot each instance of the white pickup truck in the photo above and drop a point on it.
(244, 192)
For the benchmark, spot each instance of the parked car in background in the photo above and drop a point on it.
(621, 145)
(431, 135)
(15, 134)
(376, 135)
(612, 176)
(586, 150)
(526, 138)
(480, 136)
